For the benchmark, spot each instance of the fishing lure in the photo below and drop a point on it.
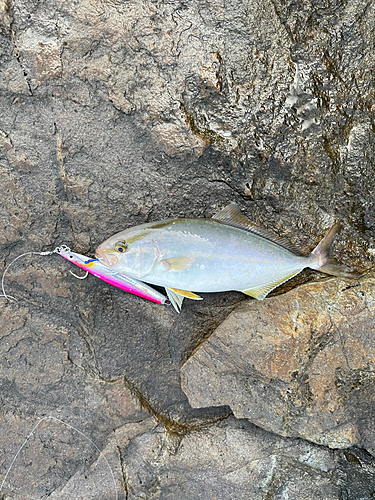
(227, 252)
(95, 267)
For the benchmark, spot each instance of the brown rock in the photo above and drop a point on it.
(300, 364)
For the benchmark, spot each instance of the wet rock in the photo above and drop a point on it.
(300, 364)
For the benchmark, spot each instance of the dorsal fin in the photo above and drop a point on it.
(232, 216)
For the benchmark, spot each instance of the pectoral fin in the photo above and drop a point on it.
(177, 263)
(176, 297)
(261, 291)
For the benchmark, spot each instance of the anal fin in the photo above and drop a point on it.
(260, 292)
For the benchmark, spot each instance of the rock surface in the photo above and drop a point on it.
(117, 113)
(235, 459)
(300, 364)
(39, 380)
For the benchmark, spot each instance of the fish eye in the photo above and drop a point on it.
(121, 246)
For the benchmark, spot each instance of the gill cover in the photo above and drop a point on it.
(131, 252)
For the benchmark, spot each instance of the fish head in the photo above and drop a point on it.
(131, 252)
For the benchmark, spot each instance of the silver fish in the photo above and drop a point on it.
(227, 252)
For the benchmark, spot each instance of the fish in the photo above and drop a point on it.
(107, 274)
(226, 252)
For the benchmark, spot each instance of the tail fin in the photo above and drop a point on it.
(327, 263)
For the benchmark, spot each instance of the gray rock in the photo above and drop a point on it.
(106, 475)
(40, 383)
(234, 459)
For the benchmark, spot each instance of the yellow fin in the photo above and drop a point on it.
(260, 292)
(185, 293)
(177, 263)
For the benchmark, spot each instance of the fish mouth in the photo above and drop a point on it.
(106, 258)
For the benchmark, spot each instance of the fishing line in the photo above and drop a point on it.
(51, 252)
(14, 260)
(8, 297)
(71, 427)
